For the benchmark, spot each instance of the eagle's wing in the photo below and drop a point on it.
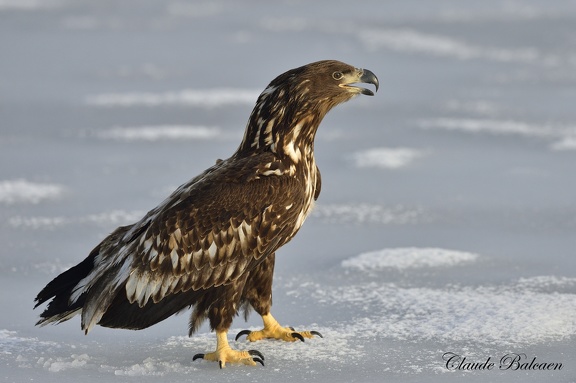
(206, 234)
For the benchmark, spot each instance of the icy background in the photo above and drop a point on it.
(447, 220)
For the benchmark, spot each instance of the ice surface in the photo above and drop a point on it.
(564, 134)
(26, 5)
(408, 40)
(155, 133)
(404, 258)
(447, 215)
(105, 219)
(23, 191)
(188, 97)
(387, 158)
(359, 213)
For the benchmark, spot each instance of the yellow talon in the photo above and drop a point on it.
(224, 353)
(273, 330)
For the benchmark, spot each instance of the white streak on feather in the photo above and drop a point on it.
(241, 236)
(268, 90)
(185, 262)
(79, 289)
(150, 289)
(297, 129)
(175, 258)
(141, 284)
(177, 235)
(174, 284)
(293, 153)
(212, 250)
(152, 254)
(276, 172)
(148, 243)
(131, 284)
(229, 271)
(197, 258)
(165, 286)
(269, 126)
(123, 274)
(231, 247)
(245, 226)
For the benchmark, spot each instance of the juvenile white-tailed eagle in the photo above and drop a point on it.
(211, 244)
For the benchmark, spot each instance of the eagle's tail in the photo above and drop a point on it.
(101, 304)
(60, 289)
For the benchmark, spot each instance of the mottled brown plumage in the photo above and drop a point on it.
(211, 244)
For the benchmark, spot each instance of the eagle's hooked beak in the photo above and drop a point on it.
(368, 78)
(363, 76)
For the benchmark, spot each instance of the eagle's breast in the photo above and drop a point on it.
(310, 180)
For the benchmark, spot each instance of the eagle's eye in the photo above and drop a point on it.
(337, 75)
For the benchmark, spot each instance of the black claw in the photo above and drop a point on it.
(292, 328)
(297, 336)
(243, 332)
(220, 364)
(259, 361)
(197, 356)
(316, 333)
(256, 353)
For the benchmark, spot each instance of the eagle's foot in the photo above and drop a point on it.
(227, 355)
(273, 330)
(224, 354)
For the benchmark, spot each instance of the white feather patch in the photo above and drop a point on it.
(245, 226)
(131, 287)
(292, 152)
(175, 258)
(79, 289)
(212, 250)
(142, 283)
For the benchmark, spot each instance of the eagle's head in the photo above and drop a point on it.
(292, 106)
(322, 84)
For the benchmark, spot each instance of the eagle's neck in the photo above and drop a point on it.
(283, 122)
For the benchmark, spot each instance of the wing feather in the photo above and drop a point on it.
(208, 233)
(214, 233)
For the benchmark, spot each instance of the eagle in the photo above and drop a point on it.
(211, 244)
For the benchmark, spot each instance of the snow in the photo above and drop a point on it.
(23, 191)
(566, 143)
(210, 98)
(491, 315)
(155, 133)
(408, 40)
(564, 134)
(387, 158)
(26, 5)
(447, 215)
(105, 219)
(404, 258)
(360, 213)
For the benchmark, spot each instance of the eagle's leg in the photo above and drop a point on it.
(258, 293)
(224, 353)
(219, 305)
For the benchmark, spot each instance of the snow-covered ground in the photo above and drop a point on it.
(447, 220)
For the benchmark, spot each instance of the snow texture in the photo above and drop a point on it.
(404, 258)
(23, 191)
(387, 158)
(210, 98)
(155, 133)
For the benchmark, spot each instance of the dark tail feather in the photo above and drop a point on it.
(60, 289)
(123, 314)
